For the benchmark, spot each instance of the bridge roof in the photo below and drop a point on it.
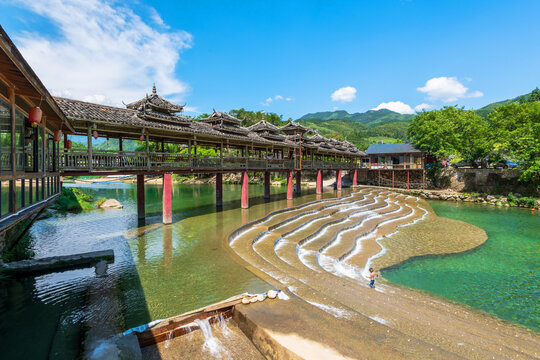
(399, 148)
(155, 101)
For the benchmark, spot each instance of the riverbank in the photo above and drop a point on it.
(319, 254)
(512, 200)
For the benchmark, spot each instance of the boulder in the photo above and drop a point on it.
(111, 204)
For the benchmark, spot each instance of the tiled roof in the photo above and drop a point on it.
(220, 116)
(156, 101)
(391, 149)
(263, 126)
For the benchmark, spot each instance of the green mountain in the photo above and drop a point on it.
(370, 117)
(532, 96)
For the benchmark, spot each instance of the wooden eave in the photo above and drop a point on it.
(16, 73)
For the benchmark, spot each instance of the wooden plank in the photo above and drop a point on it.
(57, 263)
(175, 329)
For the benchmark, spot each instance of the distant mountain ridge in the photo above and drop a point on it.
(370, 118)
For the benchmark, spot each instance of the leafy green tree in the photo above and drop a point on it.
(450, 131)
(250, 117)
(515, 129)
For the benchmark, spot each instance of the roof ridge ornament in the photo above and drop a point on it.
(154, 89)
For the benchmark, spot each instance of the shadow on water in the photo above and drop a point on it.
(159, 271)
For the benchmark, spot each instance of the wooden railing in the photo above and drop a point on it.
(105, 160)
(375, 166)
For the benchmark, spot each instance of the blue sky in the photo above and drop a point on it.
(288, 57)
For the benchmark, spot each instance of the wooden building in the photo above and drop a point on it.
(29, 168)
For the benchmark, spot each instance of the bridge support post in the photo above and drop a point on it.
(338, 180)
(408, 171)
(266, 185)
(219, 190)
(245, 190)
(289, 185)
(167, 199)
(140, 197)
(392, 178)
(355, 177)
(319, 184)
(298, 183)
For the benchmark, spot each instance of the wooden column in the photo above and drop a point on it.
(89, 144)
(379, 177)
(355, 177)
(245, 190)
(30, 192)
(221, 154)
(338, 180)
(408, 171)
(392, 178)
(298, 183)
(13, 184)
(189, 154)
(266, 185)
(147, 137)
(424, 179)
(219, 189)
(319, 187)
(289, 185)
(140, 197)
(167, 199)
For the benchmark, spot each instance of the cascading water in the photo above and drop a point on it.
(211, 343)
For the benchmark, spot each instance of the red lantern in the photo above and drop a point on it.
(195, 143)
(251, 147)
(227, 147)
(68, 144)
(35, 115)
(157, 147)
(141, 138)
(57, 136)
(95, 134)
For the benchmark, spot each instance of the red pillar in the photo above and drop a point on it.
(140, 197)
(267, 185)
(219, 189)
(167, 199)
(392, 178)
(355, 177)
(408, 171)
(245, 190)
(289, 185)
(319, 182)
(298, 183)
(338, 180)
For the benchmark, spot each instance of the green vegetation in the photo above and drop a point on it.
(524, 201)
(450, 131)
(74, 200)
(515, 130)
(21, 251)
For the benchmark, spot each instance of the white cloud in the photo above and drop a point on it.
(104, 52)
(422, 107)
(157, 18)
(397, 106)
(275, 98)
(447, 89)
(344, 94)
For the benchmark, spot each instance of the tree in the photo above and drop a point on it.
(515, 130)
(450, 131)
(250, 117)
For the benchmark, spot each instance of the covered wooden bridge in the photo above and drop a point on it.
(154, 122)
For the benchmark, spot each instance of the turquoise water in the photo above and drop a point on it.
(499, 277)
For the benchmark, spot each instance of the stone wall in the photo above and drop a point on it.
(501, 181)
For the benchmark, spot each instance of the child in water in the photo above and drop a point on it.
(371, 277)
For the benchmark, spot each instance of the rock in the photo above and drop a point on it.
(490, 197)
(517, 195)
(261, 297)
(111, 204)
(272, 294)
(506, 205)
(101, 268)
(119, 347)
(253, 299)
(245, 300)
(498, 203)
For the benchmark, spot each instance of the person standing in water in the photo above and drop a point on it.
(371, 277)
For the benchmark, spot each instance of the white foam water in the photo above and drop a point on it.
(211, 343)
